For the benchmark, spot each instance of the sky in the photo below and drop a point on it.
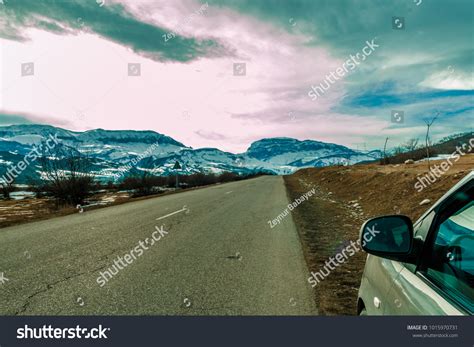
(225, 73)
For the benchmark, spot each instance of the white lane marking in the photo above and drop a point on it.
(184, 209)
(229, 192)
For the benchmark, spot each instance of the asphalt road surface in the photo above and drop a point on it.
(220, 257)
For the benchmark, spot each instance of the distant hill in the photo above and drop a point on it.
(116, 152)
(446, 146)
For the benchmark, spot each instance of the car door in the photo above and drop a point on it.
(441, 283)
(378, 278)
(393, 301)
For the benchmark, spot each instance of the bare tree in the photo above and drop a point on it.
(399, 150)
(143, 183)
(429, 123)
(6, 188)
(66, 175)
(411, 144)
(385, 160)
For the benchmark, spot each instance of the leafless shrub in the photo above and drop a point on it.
(66, 176)
(410, 145)
(144, 183)
(429, 123)
(6, 188)
(384, 160)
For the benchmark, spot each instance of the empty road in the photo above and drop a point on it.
(220, 257)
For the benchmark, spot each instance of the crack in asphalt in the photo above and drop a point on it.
(50, 286)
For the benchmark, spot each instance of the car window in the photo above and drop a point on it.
(450, 262)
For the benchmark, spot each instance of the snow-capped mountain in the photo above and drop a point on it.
(98, 143)
(117, 153)
(290, 152)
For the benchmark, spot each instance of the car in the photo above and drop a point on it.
(425, 268)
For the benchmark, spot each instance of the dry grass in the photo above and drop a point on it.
(13, 212)
(346, 197)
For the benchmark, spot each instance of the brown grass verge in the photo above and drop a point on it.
(345, 198)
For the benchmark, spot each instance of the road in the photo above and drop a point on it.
(220, 257)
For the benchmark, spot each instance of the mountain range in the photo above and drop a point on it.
(116, 153)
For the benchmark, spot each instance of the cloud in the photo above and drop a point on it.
(211, 135)
(12, 118)
(287, 46)
(387, 95)
(449, 80)
(432, 52)
(111, 21)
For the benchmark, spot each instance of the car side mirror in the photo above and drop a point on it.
(388, 237)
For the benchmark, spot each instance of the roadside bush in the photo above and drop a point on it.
(66, 176)
(70, 190)
(144, 184)
(5, 189)
(228, 177)
(198, 179)
(147, 184)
